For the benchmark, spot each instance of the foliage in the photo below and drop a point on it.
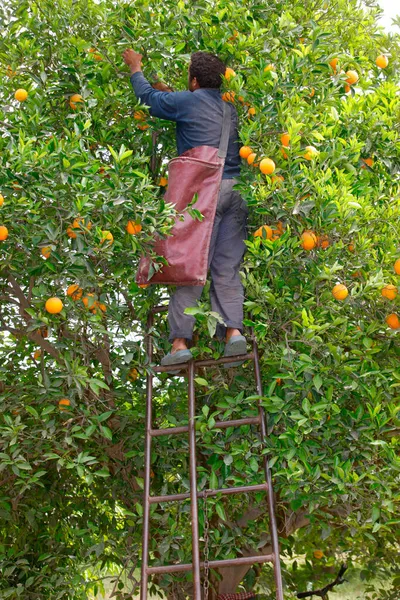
(70, 504)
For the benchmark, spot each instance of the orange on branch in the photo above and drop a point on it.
(107, 236)
(229, 73)
(393, 321)
(64, 403)
(228, 96)
(310, 153)
(312, 93)
(251, 158)
(352, 77)
(143, 127)
(382, 61)
(277, 179)
(267, 166)
(347, 88)
(37, 354)
(318, 554)
(308, 240)
(251, 112)
(285, 140)
(139, 115)
(163, 182)
(265, 231)
(396, 266)
(269, 67)
(245, 151)
(333, 63)
(74, 291)
(21, 95)
(144, 285)
(285, 156)
(3, 233)
(133, 374)
(1, 200)
(340, 291)
(133, 228)
(46, 251)
(389, 292)
(54, 305)
(351, 247)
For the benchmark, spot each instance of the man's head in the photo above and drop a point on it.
(205, 71)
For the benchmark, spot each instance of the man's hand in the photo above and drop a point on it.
(133, 60)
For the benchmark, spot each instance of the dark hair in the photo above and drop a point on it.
(207, 68)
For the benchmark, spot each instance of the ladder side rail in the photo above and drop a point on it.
(147, 467)
(268, 478)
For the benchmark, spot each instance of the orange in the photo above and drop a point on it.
(251, 158)
(396, 266)
(229, 73)
(308, 240)
(91, 304)
(102, 306)
(139, 115)
(245, 151)
(323, 241)
(228, 96)
(77, 224)
(285, 140)
(285, 156)
(352, 77)
(74, 100)
(97, 56)
(144, 285)
(133, 374)
(351, 247)
(318, 554)
(393, 321)
(310, 152)
(107, 236)
(347, 88)
(64, 403)
(74, 291)
(333, 63)
(340, 291)
(1, 200)
(3, 233)
(277, 178)
(312, 93)
(46, 251)
(382, 61)
(368, 161)
(267, 166)
(54, 305)
(269, 67)
(133, 228)
(389, 292)
(251, 112)
(163, 182)
(10, 72)
(143, 127)
(37, 354)
(21, 95)
(264, 231)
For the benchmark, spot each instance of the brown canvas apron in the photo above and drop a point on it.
(196, 171)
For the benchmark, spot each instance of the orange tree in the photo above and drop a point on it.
(82, 174)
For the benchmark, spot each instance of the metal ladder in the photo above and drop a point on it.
(194, 494)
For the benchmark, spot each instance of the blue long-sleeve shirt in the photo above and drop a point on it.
(198, 117)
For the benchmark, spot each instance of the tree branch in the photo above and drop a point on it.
(322, 593)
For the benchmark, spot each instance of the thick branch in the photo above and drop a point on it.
(322, 593)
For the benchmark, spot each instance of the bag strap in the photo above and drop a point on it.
(226, 129)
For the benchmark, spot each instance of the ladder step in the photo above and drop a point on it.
(210, 493)
(218, 425)
(246, 560)
(205, 363)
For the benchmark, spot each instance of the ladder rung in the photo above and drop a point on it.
(205, 363)
(210, 493)
(218, 425)
(246, 560)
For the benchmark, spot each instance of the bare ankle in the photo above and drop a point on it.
(178, 344)
(230, 332)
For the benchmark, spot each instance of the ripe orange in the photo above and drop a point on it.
(143, 127)
(252, 111)
(310, 152)
(37, 354)
(269, 67)
(107, 236)
(285, 156)
(308, 240)
(139, 115)
(351, 247)
(10, 72)
(76, 98)
(318, 554)
(323, 241)
(340, 291)
(77, 223)
(74, 291)
(21, 95)
(46, 251)
(251, 158)
(312, 93)
(267, 166)
(285, 140)
(368, 161)
(64, 403)
(1, 200)
(3, 233)
(389, 292)
(333, 63)
(228, 96)
(265, 231)
(54, 305)
(144, 285)
(163, 182)
(229, 73)
(245, 151)
(382, 61)
(133, 374)
(101, 306)
(347, 88)
(352, 77)
(393, 321)
(396, 266)
(133, 228)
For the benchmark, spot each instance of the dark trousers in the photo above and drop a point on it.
(226, 253)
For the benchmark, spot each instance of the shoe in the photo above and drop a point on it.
(236, 345)
(176, 358)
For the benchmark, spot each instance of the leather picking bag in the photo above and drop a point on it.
(197, 171)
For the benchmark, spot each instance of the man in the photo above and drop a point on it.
(198, 115)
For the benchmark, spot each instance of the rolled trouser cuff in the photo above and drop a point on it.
(188, 335)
